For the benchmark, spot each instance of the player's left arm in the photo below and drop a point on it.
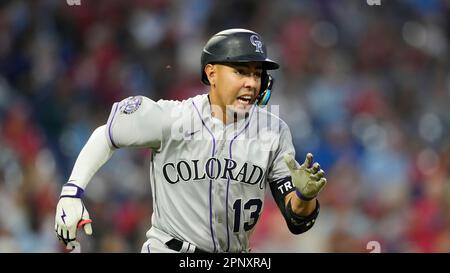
(300, 215)
(295, 187)
(308, 179)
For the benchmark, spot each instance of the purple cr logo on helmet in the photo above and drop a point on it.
(254, 39)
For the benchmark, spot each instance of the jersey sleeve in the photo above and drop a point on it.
(137, 122)
(278, 170)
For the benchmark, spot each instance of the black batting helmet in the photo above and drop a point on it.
(234, 46)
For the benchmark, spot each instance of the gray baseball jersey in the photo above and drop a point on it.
(208, 179)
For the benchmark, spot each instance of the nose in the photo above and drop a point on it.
(252, 82)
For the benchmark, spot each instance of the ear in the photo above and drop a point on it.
(210, 71)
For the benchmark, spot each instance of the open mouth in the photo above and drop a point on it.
(246, 100)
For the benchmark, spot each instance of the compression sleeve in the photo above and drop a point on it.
(296, 224)
(94, 154)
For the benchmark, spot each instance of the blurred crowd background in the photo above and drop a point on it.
(365, 88)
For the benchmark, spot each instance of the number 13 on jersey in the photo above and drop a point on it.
(252, 205)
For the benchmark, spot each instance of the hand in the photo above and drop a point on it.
(71, 214)
(308, 178)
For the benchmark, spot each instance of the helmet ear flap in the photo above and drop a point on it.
(266, 89)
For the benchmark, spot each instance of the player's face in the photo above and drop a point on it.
(238, 85)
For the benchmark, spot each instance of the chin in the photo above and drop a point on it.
(240, 108)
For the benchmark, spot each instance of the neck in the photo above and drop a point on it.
(218, 109)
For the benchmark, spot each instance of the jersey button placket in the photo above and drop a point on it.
(220, 188)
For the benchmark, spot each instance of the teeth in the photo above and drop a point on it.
(247, 97)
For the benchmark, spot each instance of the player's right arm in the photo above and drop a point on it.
(70, 210)
(133, 122)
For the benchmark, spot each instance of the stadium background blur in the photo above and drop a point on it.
(365, 88)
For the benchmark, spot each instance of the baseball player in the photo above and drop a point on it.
(214, 156)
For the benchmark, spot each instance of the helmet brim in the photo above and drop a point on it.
(267, 64)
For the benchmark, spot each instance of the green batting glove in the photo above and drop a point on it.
(308, 178)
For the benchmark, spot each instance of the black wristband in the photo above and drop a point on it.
(297, 220)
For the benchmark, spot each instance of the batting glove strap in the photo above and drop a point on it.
(304, 198)
(71, 190)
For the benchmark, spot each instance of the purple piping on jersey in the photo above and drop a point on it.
(228, 182)
(153, 182)
(148, 247)
(116, 106)
(210, 181)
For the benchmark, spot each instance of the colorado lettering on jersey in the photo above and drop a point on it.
(213, 168)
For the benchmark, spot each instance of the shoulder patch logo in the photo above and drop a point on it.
(131, 104)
